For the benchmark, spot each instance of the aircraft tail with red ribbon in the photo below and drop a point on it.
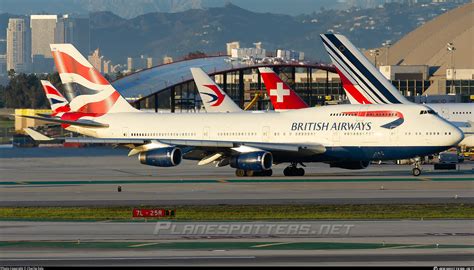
(73, 67)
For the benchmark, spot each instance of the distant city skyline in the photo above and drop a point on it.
(170, 35)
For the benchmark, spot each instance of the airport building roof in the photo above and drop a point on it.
(427, 45)
(150, 81)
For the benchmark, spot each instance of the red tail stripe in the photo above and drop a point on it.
(61, 109)
(67, 64)
(94, 109)
(100, 107)
(352, 90)
(50, 90)
(220, 96)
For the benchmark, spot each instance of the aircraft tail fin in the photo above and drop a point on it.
(213, 98)
(73, 67)
(363, 83)
(281, 95)
(58, 102)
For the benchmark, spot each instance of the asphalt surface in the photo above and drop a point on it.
(72, 177)
(451, 259)
(393, 242)
(91, 176)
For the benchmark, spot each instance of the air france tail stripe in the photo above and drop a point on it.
(355, 68)
(344, 68)
(351, 71)
(377, 84)
(352, 89)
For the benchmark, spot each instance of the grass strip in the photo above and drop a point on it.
(247, 212)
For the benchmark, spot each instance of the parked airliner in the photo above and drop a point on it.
(364, 84)
(345, 136)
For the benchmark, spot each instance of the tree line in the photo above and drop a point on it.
(25, 90)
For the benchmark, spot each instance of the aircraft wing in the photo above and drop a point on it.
(288, 147)
(81, 123)
(199, 149)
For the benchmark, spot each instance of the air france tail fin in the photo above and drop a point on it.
(363, 83)
(74, 68)
(213, 98)
(58, 102)
(281, 95)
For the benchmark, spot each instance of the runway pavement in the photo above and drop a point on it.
(412, 242)
(71, 177)
(91, 176)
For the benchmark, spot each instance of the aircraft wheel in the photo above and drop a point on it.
(268, 172)
(300, 172)
(289, 171)
(249, 173)
(239, 173)
(416, 172)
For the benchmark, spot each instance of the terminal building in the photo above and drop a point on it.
(433, 63)
(435, 59)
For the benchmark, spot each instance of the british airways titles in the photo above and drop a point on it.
(324, 126)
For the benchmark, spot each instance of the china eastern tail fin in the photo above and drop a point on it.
(281, 95)
(73, 67)
(58, 102)
(363, 83)
(212, 96)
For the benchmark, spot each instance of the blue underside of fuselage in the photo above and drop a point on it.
(354, 153)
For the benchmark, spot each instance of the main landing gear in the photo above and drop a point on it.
(292, 170)
(417, 170)
(250, 173)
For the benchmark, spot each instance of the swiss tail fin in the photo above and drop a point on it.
(74, 68)
(363, 83)
(213, 98)
(281, 95)
(58, 102)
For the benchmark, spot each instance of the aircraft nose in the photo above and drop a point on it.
(456, 135)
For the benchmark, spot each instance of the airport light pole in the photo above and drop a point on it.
(387, 45)
(375, 53)
(450, 47)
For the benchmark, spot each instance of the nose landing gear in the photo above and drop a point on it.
(417, 170)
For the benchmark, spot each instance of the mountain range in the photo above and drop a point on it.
(208, 30)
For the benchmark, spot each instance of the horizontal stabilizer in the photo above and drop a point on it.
(36, 135)
(81, 123)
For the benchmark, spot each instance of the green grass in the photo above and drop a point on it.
(249, 212)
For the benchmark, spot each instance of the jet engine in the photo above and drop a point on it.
(161, 157)
(254, 161)
(353, 165)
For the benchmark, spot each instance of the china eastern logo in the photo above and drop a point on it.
(217, 98)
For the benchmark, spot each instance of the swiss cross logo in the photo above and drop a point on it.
(280, 92)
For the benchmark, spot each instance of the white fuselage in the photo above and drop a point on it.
(460, 115)
(335, 127)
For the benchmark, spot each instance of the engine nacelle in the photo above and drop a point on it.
(255, 161)
(354, 165)
(161, 157)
